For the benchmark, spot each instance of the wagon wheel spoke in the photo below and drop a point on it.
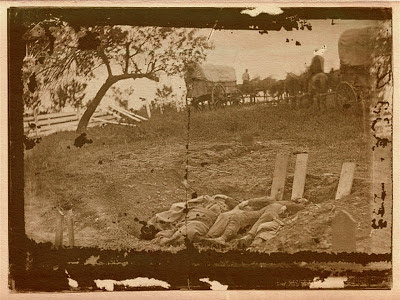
(346, 97)
(218, 97)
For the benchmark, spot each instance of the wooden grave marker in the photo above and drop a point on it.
(148, 110)
(70, 226)
(300, 173)
(346, 180)
(59, 229)
(343, 232)
(279, 177)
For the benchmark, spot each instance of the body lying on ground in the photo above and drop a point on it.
(269, 223)
(173, 225)
(251, 212)
(217, 219)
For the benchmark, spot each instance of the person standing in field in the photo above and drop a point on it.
(246, 81)
(246, 77)
(246, 84)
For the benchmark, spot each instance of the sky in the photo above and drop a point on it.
(263, 55)
(270, 54)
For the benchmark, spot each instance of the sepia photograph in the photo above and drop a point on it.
(200, 148)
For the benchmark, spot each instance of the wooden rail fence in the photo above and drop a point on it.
(46, 124)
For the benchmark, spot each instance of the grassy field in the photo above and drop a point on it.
(134, 172)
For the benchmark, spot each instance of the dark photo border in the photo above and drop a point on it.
(238, 269)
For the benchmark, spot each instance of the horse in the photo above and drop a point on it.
(253, 87)
(280, 89)
(334, 77)
(247, 89)
(318, 84)
(277, 89)
(293, 87)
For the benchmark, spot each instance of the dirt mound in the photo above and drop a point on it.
(129, 173)
(310, 229)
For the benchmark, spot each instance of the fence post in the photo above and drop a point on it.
(59, 229)
(48, 121)
(70, 226)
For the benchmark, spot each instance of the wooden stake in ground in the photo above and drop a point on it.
(59, 229)
(300, 173)
(343, 232)
(279, 177)
(346, 180)
(148, 109)
(70, 226)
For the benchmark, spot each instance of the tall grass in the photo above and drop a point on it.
(277, 123)
(264, 122)
(96, 182)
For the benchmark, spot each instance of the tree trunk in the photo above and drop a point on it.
(84, 121)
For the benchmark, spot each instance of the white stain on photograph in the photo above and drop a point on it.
(214, 285)
(71, 282)
(267, 9)
(109, 284)
(328, 283)
(320, 51)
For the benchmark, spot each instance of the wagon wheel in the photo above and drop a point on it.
(218, 96)
(345, 96)
(236, 98)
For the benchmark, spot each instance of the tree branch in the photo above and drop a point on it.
(150, 76)
(153, 65)
(137, 70)
(127, 57)
(97, 67)
(159, 68)
(105, 60)
(138, 49)
(55, 73)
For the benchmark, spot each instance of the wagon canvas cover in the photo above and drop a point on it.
(356, 46)
(203, 77)
(214, 73)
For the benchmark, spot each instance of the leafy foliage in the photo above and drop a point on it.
(70, 93)
(130, 50)
(163, 95)
(126, 52)
(121, 96)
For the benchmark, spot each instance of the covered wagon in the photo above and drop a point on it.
(357, 48)
(214, 85)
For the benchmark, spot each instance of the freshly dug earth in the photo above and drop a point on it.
(135, 172)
